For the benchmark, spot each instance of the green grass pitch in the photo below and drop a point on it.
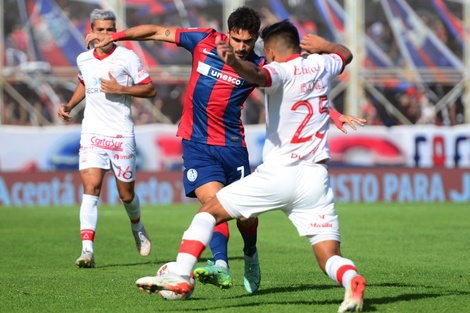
(415, 257)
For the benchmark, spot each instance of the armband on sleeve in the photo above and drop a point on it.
(118, 36)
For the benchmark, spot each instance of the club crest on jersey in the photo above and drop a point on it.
(191, 174)
(225, 77)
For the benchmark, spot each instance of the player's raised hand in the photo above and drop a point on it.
(98, 40)
(313, 44)
(64, 113)
(111, 85)
(225, 51)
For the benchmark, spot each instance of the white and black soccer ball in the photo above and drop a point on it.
(171, 295)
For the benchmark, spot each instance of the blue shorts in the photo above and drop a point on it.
(205, 163)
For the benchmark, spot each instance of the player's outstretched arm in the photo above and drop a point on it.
(248, 70)
(316, 44)
(137, 33)
(64, 110)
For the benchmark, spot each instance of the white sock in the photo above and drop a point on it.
(222, 263)
(88, 220)
(341, 270)
(133, 211)
(194, 241)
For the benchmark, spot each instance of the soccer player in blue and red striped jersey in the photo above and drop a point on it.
(212, 132)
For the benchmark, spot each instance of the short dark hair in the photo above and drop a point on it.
(244, 18)
(284, 30)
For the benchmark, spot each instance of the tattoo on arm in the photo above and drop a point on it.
(167, 32)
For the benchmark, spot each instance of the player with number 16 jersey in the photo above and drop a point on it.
(109, 77)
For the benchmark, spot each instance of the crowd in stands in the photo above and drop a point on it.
(415, 102)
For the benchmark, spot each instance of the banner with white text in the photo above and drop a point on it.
(63, 188)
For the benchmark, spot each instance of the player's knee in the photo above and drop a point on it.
(126, 197)
(91, 190)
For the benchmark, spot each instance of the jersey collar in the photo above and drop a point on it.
(104, 56)
(294, 56)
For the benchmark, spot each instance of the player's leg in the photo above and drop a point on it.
(132, 205)
(343, 271)
(231, 202)
(315, 217)
(325, 240)
(248, 228)
(124, 169)
(195, 240)
(93, 164)
(218, 272)
(203, 177)
(237, 166)
(92, 179)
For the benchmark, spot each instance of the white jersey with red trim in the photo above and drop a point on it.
(297, 99)
(109, 114)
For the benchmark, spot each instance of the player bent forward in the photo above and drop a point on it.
(297, 124)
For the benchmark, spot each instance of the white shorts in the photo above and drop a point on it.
(109, 153)
(302, 192)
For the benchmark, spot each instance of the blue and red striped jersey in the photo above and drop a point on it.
(215, 95)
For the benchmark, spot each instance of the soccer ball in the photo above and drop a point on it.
(167, 294)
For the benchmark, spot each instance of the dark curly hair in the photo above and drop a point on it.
(244, 18)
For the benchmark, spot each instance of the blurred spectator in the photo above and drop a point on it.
(206, 21)
(456, 117)
(408, 106)
(369, 112)
(428, 115)
(172, 100)
(140, 114)
(382, 35)
(17, 52)
(310, 27)
(14, 114)
(42, 109)
(417, 105)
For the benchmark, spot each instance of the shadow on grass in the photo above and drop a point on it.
(159, 262)
(153, 263)
(369, 303)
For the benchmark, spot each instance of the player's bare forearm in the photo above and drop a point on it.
(64, 110)
(137, 33)
(139, 91)
(316, 44)
(250, 72)
(77, 97)
(247, 70)
(150, 32)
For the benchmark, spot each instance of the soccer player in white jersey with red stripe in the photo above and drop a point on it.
(294, 176)
(109, 77)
